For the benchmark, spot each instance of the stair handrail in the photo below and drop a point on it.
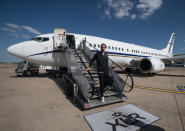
(82, 61)
(84, 65)
(91, 77)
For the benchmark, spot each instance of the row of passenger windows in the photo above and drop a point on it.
(40, 39)
(122, 49)
(109, 47)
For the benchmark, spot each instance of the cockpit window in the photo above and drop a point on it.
(37, 39)
(45, 39)
(40, 39)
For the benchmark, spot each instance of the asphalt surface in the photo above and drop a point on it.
(39, 103)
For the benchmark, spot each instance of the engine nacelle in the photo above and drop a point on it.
(151, 65)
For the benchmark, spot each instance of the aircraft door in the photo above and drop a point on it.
(60, 38)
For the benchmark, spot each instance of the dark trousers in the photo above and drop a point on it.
(103, 78)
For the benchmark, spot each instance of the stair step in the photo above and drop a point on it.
(86, 63)
(106, 93)
(92, 72)
(95, 79)
(108, 100)
(96, 75)
(96, 85)
(88, 76)
(83, 61)
(82, 58)
(92, 68)
(110, 93)
(81, 55)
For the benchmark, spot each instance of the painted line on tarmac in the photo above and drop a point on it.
(157, 89)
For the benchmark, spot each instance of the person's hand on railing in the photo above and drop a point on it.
(88, 68)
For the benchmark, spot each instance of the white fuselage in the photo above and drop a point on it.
(43, 52)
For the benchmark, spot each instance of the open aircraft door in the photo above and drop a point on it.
(60, 38)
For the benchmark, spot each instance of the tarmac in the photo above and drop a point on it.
(39, 104)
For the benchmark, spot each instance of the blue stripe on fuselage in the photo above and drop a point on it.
(47, 52)
(61, 51)
(121, 54)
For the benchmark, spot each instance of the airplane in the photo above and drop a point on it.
(43, 49)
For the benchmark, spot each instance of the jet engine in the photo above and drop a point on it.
(151, 65)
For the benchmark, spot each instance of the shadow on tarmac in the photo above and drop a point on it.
(170, 75)
(61, 85)
(150, 75)
(152, 128)
(42, 75)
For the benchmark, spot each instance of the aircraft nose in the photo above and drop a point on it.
(10, 49)
(16, 50)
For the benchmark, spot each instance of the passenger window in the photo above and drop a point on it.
(115, 48)
(127, 49)
(94, 45)
(109, 47)
(45, 39)
(118, 48)
(122, 49)
(98, 46)
(90, 45)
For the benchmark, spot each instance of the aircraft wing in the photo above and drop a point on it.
(167, 60)
(178, 54)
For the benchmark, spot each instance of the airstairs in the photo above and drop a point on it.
(83, 86)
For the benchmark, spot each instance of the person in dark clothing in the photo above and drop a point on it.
(101, 59)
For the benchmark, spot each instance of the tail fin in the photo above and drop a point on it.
(169, 47)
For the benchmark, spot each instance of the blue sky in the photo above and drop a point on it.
(143, 22)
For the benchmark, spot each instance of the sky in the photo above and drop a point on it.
(144, 22)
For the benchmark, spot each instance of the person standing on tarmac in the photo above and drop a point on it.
(101, 59)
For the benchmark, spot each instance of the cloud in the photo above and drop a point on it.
(130, 9)
(7, 29)
(133, 16)
(19, 30)
(25, 36)
(31, 29)
(148, 7)
(19, 35)
(118, 8)
(12, 25)
(107, 13)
